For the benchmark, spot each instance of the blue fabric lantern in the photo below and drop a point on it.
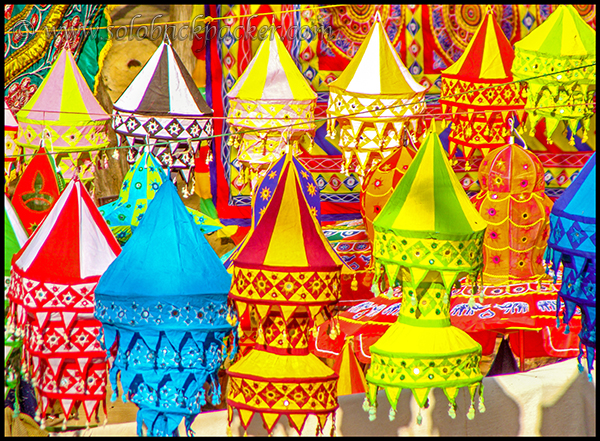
(573, 242)
(165, 317)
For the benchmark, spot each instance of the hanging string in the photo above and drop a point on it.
(325, 119)
(207, 19)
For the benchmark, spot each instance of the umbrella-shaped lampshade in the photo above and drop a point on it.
(286, 274)
(163, 107)
(63, 112)
(426, 236)
(514, 203)
(373, 100)
(164, 313)
(139, 187)
(52, 293)
(479, 92)
(265, 188)
(558, 62)
(271, 106)
(573, 242)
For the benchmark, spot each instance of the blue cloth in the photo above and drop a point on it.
(572, 242)
(163, 304)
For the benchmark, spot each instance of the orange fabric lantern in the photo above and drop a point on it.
(513, 202)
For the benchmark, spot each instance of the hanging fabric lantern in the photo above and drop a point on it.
(572, 242)
(12, 160)
(140, 184)
(265, 188)
(271, 106)
(262, 195)
(165, 318)
(65, 114)
(37, 190)
(479, 93)
(373, 100)
(163, 107)
(427, 235)
(15, 237)
(52, 293)
(513, 202)
(558, 61)
(379, 184)
(287, 274)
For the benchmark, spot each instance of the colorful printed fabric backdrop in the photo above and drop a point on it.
(30, 46)
(429, 38)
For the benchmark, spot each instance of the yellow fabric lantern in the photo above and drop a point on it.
(373, 100)
(287, 274)
(271, 106)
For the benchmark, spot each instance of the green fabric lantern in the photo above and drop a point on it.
(426, 237)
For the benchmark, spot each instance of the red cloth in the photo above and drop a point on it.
(36, 192)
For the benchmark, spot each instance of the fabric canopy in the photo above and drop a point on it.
(572, 242)
(163, 107)
(379, 184)
(372, 100)
(479, 93)
(513, 202)
(271, 107)
(164, 313)
(37, 190)
(285, 274)
(139, 187)
(427, 234)
(63, 111)
(52, 292)
(558, 62)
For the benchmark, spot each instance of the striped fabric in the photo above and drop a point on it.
(429, 201)
(291, 223)
(147, 94)
(272, 75)
(376, 69)
(65, 108)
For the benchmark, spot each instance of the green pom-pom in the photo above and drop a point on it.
(372, 414)
(481, 406)
(392, 414)
(366, 405)
(452, 411)
(471, 302)
(471, 413)
(419, 419)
